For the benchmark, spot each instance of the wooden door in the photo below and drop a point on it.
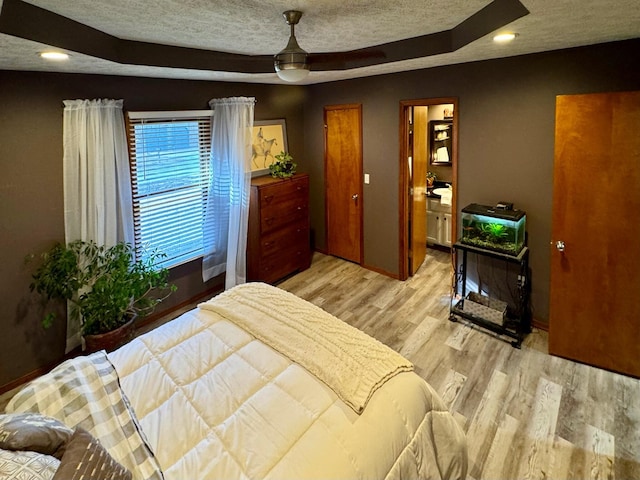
(595, 282)
(418, 189)
(343, 181)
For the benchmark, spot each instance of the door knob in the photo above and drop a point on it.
(559, 245)
(354, 197)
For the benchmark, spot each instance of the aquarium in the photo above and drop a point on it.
(502, 230)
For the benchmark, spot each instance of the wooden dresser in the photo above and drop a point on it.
(278, 238)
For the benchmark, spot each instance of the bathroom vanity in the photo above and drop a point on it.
(438, 222)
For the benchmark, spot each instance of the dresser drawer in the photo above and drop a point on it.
(279, 265)
(285, 192)
(285, 239)
(284, 213)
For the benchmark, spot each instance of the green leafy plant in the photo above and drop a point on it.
(496, 231)
(106, 286)
(283, 167)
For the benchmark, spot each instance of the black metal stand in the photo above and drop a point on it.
(490, 313)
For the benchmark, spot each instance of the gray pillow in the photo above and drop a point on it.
(85, 458)
(34, 432)
(31, 465)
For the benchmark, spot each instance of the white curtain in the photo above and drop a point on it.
(97, 186)
(227, 213)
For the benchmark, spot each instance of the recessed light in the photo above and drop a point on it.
(54, 55)
(504, 37)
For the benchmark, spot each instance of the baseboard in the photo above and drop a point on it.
(540, 325)
(31, 375)
(395, 276)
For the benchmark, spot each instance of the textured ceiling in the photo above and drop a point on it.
(256, 27)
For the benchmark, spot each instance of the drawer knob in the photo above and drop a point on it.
(268, 198)
(269, 220)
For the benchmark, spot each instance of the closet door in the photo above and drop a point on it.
(595, 257)
(343, 181)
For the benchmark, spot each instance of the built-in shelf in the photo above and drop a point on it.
(440, 145)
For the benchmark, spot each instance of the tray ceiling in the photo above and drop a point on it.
(200, 39)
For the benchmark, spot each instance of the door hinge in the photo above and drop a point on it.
(411, 192)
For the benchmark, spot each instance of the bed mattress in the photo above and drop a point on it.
(216, 400)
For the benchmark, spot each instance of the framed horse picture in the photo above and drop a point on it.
(268, 140)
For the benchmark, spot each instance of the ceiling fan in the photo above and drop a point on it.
(291, 63)
(25, 20)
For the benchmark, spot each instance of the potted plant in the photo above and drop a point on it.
(283, 167)
(431, 178)
(105, 287)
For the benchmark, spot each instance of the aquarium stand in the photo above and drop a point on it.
(487, 312)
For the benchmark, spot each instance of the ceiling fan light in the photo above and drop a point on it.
(292, 63)
(292, 74)
(291, 66)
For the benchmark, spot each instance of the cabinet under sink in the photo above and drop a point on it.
(438, 222)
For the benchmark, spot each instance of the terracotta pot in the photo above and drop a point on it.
(111, 340)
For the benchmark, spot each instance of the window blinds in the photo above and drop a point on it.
(169, 154)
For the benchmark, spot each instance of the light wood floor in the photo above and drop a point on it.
(526, 414)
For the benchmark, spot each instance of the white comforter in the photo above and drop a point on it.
(216, 403)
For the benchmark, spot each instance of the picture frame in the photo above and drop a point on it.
(269, 138)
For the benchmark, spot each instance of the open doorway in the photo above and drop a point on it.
(428, 147)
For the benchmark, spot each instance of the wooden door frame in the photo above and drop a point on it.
(357, 106)
(403, 187)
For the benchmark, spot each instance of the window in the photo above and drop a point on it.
(169, 178)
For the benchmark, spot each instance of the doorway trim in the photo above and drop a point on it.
(403, 189)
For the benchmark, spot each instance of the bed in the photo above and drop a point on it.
(254, 383)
